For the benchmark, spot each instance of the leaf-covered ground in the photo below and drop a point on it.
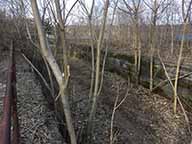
(37, 122)
(143, 118)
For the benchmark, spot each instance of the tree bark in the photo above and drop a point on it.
(66, 73)
(153, 41)
(91, 118)
(46, 52)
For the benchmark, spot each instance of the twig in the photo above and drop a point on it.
(185, 115)
(41, 76)
(106, 49)
(165, 81)
(116, 106)
(182, 108)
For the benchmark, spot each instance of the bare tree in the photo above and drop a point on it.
(46, 52)
(92, 36)
(157, 7)
(185, 22)
(116, 107)
(134, 10)
(90, 123)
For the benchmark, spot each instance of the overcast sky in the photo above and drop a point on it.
(77, 10)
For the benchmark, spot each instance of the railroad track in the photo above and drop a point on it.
(9, 126)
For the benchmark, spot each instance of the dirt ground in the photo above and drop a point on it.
(3, 75)
(38, 124)
(143, 118)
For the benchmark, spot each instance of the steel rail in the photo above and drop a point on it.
(9, 126)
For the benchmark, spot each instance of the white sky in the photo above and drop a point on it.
(78, 13)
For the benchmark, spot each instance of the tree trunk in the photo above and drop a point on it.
(153, 41)
(151, 58)
(172, 40)
(178, 70)
(46, 52)
(66, 74)
(91, 118)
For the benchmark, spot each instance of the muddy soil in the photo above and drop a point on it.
(143, 118)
